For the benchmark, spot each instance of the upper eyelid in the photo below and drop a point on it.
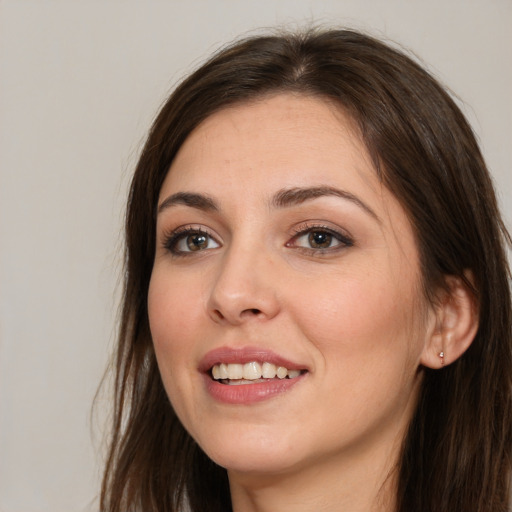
(188, 228)
(305, 227)
(183, 221)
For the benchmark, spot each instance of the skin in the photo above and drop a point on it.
(353, 313)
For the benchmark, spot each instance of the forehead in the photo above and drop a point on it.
(278, 140)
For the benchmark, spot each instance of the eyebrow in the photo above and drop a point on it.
(282, 199)
(293, 196)
(199, 201)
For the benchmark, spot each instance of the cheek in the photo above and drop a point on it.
(174, 313)
(356, 320)
(174, 306)
(370, 340)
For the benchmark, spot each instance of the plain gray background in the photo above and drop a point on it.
(80, 82)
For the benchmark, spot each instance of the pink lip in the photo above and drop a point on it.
(246, 394)
(245, 355)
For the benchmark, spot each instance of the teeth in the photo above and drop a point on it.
(252, 371)
(282, 372)
(223, 371)
(235, 371)
(268, 370)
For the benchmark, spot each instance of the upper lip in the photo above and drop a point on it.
(245, 355)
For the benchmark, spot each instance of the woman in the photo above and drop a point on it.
(317, 311)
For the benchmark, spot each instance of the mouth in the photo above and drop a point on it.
(253, 372)
(248, 375)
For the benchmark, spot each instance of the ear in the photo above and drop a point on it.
(454, 325)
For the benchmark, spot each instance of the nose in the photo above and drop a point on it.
(245, 287)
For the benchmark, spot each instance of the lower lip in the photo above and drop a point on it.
(249, 393)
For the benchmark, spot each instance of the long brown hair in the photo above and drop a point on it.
(457, 453)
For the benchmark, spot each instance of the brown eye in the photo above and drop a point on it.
(197, 241)
(319, 239)
(190, 240)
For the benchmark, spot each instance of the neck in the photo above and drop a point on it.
(362, 485)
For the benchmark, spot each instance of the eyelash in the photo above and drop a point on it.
(172, 240)
(344, 240)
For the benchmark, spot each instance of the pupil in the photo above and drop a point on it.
(196, 242)
(320, 239)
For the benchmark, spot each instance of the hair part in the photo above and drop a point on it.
(457, 452)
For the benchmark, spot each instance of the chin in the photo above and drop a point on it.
(256, 453)
(255, 464)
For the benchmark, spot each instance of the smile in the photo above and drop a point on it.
(251, 372)
(248, 375)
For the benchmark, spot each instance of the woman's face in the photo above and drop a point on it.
(279, 251)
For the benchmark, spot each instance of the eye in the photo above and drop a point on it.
(319, 238)
(189, 240)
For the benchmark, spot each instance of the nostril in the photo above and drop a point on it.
(252, 311)
(218, 314)
(235, 317)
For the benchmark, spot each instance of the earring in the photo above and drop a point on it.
(441, 355)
